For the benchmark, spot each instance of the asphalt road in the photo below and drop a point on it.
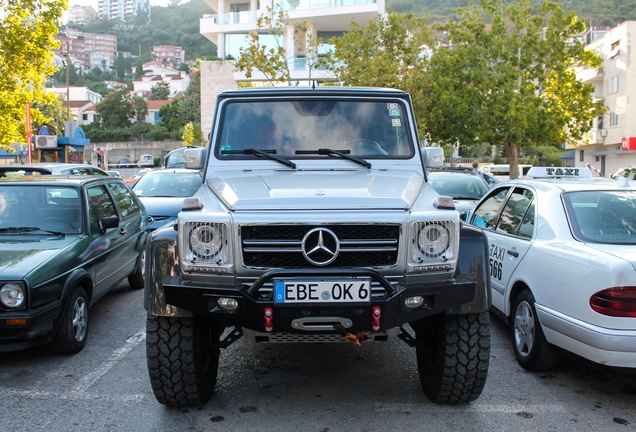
(321, 388)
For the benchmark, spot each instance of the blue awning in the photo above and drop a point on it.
(568, 155)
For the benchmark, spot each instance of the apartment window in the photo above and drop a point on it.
(613, 85)
(581, 155)
(599, 122)
(613, 121)
(615, 44)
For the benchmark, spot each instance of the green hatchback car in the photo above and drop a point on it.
(64, 243)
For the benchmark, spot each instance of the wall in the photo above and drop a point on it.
(216, 76)
(130, 150)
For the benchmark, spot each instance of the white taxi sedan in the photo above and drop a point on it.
(563, 265)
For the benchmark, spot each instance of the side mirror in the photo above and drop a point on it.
(109, 222)
(195, 158)
(432, 157)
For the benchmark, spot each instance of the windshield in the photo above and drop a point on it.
(32, 208)
(168, 184)
(458, 185)
(602, 216)
(298, 129)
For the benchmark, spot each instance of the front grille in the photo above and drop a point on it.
(280, 246)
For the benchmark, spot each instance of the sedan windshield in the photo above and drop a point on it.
(602, 216)
(168, 184)
(37, 209)
(459, 186)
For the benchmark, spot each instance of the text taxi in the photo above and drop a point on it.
(563, 265)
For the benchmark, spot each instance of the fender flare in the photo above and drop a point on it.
(162, 259)
(473, 263)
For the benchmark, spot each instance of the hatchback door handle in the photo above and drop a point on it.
(122, 231)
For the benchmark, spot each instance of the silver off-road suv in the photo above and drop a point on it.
(315, 223)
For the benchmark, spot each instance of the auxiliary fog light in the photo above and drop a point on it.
(414, 302)
(12, 295)
(227, 304)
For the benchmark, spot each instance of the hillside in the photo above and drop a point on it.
(179, 25)
(595, 12)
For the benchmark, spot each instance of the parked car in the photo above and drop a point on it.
(464, 187)
(49, 168)
(64, 242)
(114, 173)
(139, 174)
(123, 163)
(146, 160)
(501, 172)
(562, 265)
(627, 172)
(163, 192)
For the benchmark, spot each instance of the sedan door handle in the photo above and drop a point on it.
(513, 253)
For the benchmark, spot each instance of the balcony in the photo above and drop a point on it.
(327, 15)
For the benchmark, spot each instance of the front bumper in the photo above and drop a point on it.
(201, 298)
(38, 329)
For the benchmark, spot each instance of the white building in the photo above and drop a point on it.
(122, 9)
(82, 100)
(611, 144)
(232, 20)
(79, 14)
(155, 72)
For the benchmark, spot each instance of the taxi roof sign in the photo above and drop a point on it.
(559, 172)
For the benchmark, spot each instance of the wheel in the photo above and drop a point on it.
(73, 330)
(64, 224)
(136, 279)
(183, 359)
(453, 355)
(532, 350)
(364, 146)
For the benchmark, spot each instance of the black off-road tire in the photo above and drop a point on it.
(73, 329)
(183, 359)
(453, 355)
(531, 348)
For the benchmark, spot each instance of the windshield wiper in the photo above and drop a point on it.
(342, 153)
(269, 154)
(30, 229)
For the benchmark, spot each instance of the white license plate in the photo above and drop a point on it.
(339, 291)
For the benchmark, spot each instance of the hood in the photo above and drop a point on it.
(317, 190)
(162, 206)
(19, 255)
(162, 209)
(626, 252)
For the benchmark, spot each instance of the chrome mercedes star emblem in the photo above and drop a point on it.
(320, 246)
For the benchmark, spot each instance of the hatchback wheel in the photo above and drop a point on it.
(73, 330)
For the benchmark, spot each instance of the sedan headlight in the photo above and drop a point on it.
(12, 295)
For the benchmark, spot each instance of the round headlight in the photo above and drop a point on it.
(206, 241)
(12, 295)
(433, 240)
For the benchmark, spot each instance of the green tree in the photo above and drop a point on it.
(507, 77)
(273, 61)
(139, 69)
(192, 134)
(160, 91)
(27, 29)
(116, 110)
(140, 107)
